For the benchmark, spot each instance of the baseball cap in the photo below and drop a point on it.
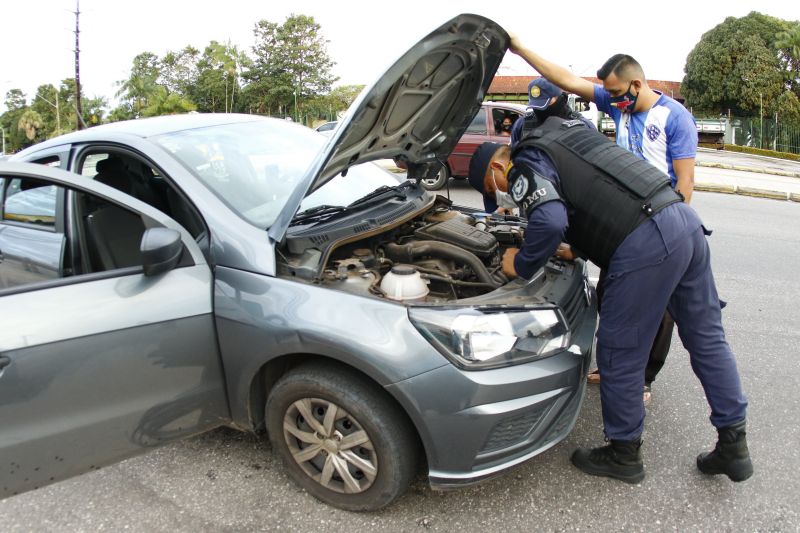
(479, 163)
(540, 91)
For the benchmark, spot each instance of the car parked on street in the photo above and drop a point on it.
(182, 273)
(328, 127)
(484, 127)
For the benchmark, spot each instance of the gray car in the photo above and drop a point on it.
(178, 274)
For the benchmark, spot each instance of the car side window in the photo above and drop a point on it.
(30, 202)
(478, 124)
(141, 180)
(31, 249)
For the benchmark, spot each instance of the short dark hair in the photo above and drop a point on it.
(619, 64)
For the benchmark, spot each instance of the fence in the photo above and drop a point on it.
(767, 133)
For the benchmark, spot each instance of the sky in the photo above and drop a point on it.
(364, 37)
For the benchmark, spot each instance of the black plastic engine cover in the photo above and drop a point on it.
(460, 234)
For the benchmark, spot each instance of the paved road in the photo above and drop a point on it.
(225, 481)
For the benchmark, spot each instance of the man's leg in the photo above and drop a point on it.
(696, 308)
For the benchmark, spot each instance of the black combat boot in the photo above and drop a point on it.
(619, 459)
(730, 455)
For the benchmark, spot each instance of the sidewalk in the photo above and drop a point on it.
(747, 175)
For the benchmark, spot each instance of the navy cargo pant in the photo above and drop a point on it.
(664, 263)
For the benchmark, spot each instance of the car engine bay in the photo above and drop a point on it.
(441, 255)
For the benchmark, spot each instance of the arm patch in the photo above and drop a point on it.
(529, 190)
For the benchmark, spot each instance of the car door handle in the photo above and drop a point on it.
(4, 361)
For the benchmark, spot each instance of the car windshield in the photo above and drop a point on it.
(254, 166)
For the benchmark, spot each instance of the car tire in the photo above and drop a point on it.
(364, 476)
(437, 181)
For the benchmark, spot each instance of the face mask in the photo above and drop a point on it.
(556, 109)
(506, 127)
(625, 102)
(503, 198)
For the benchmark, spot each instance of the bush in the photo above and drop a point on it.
(759, 151)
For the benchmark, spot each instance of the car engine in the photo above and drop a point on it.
(440, 256)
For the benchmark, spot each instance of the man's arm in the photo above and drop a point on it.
(557, 74)
(684, 171)
(546, 227)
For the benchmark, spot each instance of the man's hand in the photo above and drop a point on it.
(504, 211)
(508, 262)
(564, 251)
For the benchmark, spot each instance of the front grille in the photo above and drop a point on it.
(574, 304)
(513, 430)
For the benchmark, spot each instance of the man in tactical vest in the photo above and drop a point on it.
(620, 212)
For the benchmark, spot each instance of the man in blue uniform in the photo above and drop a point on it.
(650, 125)
(621, 213)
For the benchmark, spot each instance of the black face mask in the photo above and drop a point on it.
(506, 127)
(557, 109)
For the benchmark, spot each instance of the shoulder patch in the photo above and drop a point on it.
(520, 188)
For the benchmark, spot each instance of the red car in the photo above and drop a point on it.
(486, 126)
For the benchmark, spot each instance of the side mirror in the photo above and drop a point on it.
(161, 250)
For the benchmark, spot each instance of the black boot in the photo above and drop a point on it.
(730, 455)
(619, 459)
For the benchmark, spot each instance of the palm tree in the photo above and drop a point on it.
(30, 122)
(788, 45)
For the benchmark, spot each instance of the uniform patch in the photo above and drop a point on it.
(653, 132)
(535, 91)
(520, 188)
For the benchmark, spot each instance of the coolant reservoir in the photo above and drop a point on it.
(404, 283)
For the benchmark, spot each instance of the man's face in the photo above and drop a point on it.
(618, 86)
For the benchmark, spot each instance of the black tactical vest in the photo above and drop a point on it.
(608, 190)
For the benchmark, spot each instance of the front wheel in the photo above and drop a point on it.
(436, 181)
(341, 438)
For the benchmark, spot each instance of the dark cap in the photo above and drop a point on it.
(479, 163)
(540, 91)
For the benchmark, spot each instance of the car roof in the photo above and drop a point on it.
(148, 127)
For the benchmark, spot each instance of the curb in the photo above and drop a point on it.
(747, 191)
(759, 170)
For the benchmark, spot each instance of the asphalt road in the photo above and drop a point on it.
(226, 481)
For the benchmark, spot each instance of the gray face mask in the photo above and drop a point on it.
(503, 198)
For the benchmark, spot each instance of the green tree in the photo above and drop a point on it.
(163, 102)
(15, 100)
(788, 44)
(328, 106)
(9, 121)
(30, 123)
(52, 109)
(291, 64)
(218, 82)
(735, 66)
(178, 70)
(140, 86)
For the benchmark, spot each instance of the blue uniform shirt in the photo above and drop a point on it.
(664, 132)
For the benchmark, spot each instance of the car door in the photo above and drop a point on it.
(476, 134)
(98, 361)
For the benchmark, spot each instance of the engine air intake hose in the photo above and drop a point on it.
(407, 253)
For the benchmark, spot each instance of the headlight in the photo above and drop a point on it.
(475, 338)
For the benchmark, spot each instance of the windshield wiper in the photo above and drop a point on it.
(317, 213)
(325, 212)
(383, 192)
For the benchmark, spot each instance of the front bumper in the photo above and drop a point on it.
(475, 424)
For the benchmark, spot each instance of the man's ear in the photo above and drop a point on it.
(494, 163)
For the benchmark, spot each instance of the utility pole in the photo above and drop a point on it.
(78, 65)
(761, 103)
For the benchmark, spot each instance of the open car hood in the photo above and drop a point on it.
(418, 109)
